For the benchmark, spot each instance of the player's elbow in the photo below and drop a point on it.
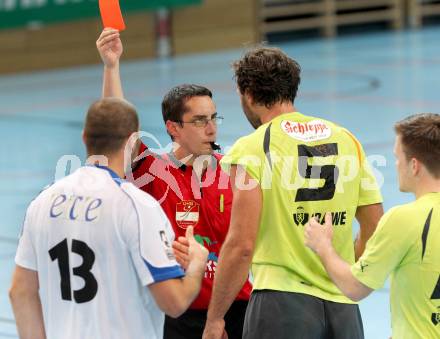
(176, 303)
(174, 296)
(175, 313)
(358, 292)
(18, 292)
(246, 253)
(175, 308)
(353, 296)
(12, 294)
(241, 250)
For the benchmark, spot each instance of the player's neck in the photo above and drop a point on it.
(277, 110)
(116, 164)
(428, 185)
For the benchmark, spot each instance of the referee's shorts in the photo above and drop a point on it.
(286, 315)
(190, 325)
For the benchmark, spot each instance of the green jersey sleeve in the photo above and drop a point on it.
(385, 250)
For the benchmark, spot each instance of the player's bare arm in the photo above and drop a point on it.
(26, 304)
(368, 217)
(110, 49)
(174, 296)
(235, 255)
(319, 238)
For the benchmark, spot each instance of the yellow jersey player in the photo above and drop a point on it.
(292, 168)
(407, 240)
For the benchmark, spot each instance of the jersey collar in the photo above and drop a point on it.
(176, 161)
(112, 173)
(183, 167)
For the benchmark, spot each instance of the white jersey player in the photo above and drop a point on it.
(90, 244)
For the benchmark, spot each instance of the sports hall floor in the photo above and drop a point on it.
(364, 82)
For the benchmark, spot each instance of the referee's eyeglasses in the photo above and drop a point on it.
(203, 121)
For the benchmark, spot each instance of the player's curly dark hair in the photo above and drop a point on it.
(420, 137)
(268, 75)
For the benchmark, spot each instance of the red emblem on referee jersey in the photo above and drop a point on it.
(187, 213)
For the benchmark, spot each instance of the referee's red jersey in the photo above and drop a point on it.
(204, 203)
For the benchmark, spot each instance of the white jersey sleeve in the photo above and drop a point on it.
(149, 236)
(26, 256)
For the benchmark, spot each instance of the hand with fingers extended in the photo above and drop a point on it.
(109, 46)
(319, 237)
(191, 253)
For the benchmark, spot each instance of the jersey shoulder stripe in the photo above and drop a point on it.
(425, 232)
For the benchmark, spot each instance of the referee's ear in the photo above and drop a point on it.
(83, 136)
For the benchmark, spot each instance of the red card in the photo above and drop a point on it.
(111, 14)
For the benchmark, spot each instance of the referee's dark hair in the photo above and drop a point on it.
(268, 75)
(109, 123)
(420, 137)
(174, 102)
